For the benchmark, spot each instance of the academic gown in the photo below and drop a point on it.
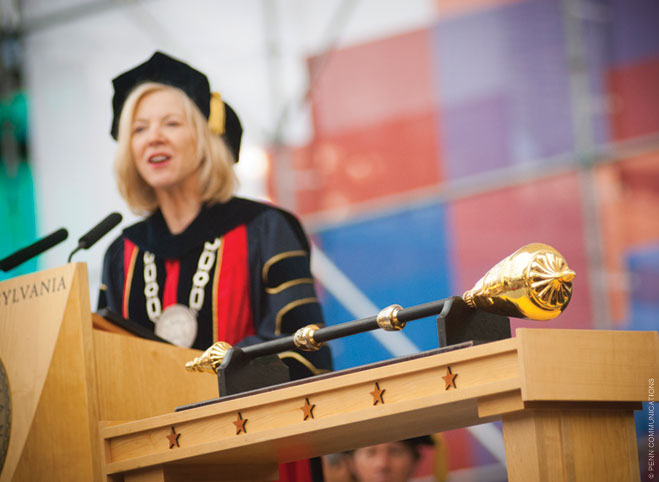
(259, 286)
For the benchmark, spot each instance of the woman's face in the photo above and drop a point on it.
(162, 143)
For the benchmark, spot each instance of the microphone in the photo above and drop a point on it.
(97, 232)
(35, 249)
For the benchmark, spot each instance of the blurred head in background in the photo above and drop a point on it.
(388, 462)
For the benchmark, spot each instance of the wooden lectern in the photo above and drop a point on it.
(90, 405)
(64, 377)
(566, 399)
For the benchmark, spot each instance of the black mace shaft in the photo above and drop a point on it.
(343, 329)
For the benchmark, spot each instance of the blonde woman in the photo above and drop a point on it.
(203, 265)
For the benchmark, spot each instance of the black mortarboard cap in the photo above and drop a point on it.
(166, 70)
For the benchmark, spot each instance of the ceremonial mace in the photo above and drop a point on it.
(533, 283)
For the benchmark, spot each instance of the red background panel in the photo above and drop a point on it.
(459, 448)
(368, 163)
(635, 94)
(489, 227)
(372, 82)
(628, 194)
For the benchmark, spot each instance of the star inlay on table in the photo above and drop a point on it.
(377, 394)
(240, 424)
(449, 378)
(307, 408)
(173, 439)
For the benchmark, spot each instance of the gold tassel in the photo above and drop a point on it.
(216, 118)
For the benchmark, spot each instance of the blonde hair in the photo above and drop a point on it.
(217, 180)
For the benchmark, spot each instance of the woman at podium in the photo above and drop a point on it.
(203, 265)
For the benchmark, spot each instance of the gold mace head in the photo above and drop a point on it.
(534, 282)
(210, 360)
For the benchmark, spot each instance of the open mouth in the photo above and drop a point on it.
(159, 158)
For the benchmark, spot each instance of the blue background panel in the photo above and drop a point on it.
(397, 258)
(643, 266)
